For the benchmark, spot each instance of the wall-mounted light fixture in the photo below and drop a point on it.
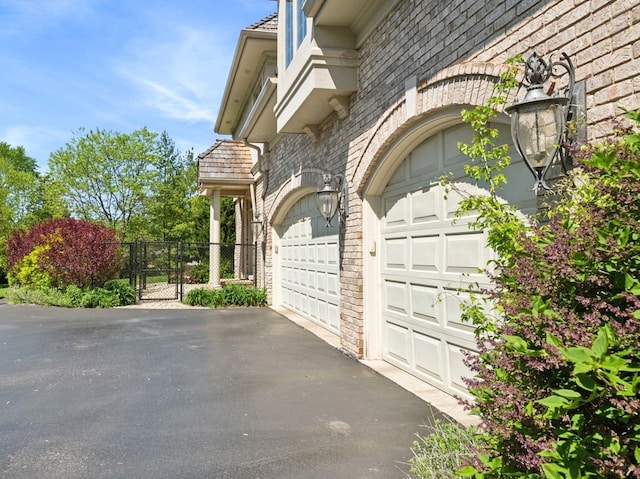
(539, 121)
(259, 226)
(333, 197)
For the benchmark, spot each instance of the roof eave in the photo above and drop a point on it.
(251, 43)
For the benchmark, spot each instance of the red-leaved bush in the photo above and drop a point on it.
(557, 377)
(61, 252)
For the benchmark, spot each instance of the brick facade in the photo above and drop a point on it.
(426, 57)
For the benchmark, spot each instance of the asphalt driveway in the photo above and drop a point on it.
(236, 393)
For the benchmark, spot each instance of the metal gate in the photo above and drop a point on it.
(159, 271)
(167, 270)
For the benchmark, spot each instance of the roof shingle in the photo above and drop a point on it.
(225, 160)
(269, 23)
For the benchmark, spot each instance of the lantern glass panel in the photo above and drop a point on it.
(539, 128)
(327, 203)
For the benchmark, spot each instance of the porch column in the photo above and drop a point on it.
(214, 240)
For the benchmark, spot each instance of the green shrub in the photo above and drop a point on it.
(557, 376)
(199, 274)
(42, 296)
(122, 293)
(228, 295)
(440, 454)
(112, 295)
(29, 271)
(201, 297)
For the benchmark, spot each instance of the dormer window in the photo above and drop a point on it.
(295, 27)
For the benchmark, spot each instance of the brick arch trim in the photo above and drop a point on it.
(297, 186)
(465, 84)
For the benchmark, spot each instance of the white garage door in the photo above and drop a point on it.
(427, 259)
(310, 264)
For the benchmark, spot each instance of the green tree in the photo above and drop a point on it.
(227, 220)
(170, 203)
(108, 176)
(25, 196)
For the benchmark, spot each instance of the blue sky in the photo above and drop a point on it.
(116, 65)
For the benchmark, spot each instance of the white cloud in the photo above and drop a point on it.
(175, 75)
(173, 105)
(37, 138)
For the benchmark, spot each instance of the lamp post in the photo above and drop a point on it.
(538, 122)
(332, 197)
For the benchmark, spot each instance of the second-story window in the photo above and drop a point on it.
(302, 23)
(295, 27)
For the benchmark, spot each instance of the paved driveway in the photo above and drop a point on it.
(237, 393)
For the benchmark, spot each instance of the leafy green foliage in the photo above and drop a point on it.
(138, 183)
(106, 176)
(26, 197)
(113, 294)
(558, 370)
(199, 274)
(229, 295)
(440, 454)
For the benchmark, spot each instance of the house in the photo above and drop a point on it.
(370, 92)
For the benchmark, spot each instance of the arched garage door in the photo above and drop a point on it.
(427, 259)
(310, 264)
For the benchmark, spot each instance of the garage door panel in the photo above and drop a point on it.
(320, 254)
(332, 283)
(451, 138)
(333, 315)
(332, 253)
(425, 206)
(395, 209)
(395, 253)
(454, 198)
(453, 301)
(399, 176)
(398, 343)
(309, 255)
(425, 303)
(428, 356)
(395, 297)
(425, 159)
(458, 370)
(465, 253)
(321, 282)
(425, 251)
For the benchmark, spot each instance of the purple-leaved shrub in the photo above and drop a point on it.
(558, 371)
(63, 251)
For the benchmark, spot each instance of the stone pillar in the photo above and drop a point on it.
(214, 240)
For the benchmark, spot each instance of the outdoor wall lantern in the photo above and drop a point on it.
(539, 122)
(333, 197)
(258, 225)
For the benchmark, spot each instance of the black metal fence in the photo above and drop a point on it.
(167, 270)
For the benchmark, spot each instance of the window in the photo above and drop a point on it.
(295, 27)
(302, 24)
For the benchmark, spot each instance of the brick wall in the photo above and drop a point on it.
(454, 50)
